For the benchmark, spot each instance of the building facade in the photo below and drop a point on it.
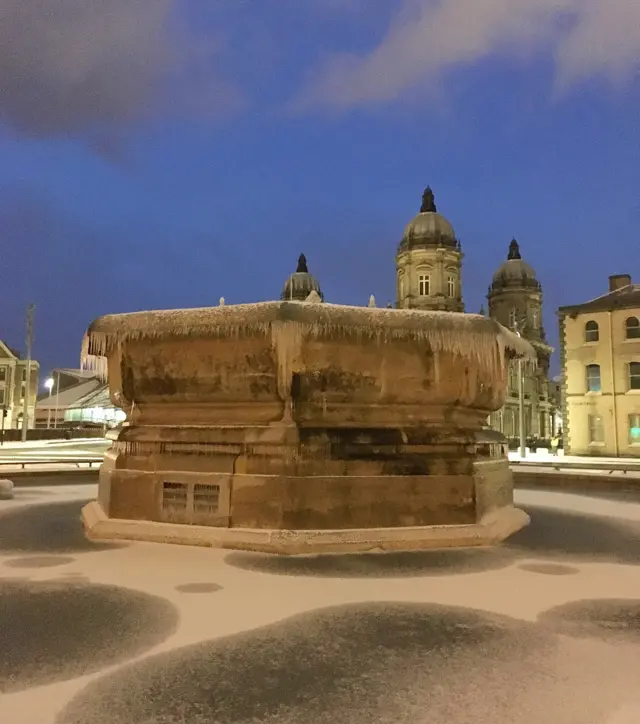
(15, 398)
(515, 300)
(429, 262)
(600, 358)
(67, 387)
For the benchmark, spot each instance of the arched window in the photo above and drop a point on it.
(634, 375)
(593, 378)
(632, 328)
(424, 285)
(513, 318)
(401, 286)
(451, 286)
(591, 332)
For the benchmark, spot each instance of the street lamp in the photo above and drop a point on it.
(523, 438)
(49, 385)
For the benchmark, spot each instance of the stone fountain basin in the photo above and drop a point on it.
(312, 420)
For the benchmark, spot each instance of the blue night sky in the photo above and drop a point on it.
(164, 154)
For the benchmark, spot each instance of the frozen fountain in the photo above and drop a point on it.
(301, 426)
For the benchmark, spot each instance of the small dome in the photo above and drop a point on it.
(515, 271)
(300, 284)
(429, 227)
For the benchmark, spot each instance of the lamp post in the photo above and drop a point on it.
(523, 437)
(49, 385)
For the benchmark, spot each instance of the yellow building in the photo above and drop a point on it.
(14, 396)
(600, 358)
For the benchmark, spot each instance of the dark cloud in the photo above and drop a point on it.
(69, 66)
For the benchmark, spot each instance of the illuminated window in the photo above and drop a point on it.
(634, 429)
(593, 378)
(632, 328)
(596, 429)
(591, 332)
(634, 375)
(424, 285)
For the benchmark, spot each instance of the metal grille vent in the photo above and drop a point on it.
(174, 496)
(206, 499)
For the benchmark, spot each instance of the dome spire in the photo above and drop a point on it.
(514, 250)
(302, 265)
(428, 201)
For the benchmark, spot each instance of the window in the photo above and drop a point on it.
(591, 332)
(632, 328)
(424, 285)
(3, 374)
(534, 319)
(23, 389)
(513, 318)
(634, 375)
(451, 286)
(2, 396)
(634, 429)
(24, 374)
(596, 429)
(401, 286)
(593, 378)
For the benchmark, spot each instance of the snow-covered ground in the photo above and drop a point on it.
(544, 628)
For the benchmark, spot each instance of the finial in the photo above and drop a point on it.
(222, 301)
(372, 301)
(514, 250)
(428, 201)
(302, 264)
(482, 312)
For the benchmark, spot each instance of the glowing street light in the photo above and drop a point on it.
(48, 383)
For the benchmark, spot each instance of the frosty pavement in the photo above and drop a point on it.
(545, 628)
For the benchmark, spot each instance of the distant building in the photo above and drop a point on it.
(95, 408)
(600, 358)
(14, 395)
(515, 300)
(429, 262)
(68, 387)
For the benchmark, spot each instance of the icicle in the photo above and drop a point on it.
(372, 301)
(222, 301)
(314, 297)
(468, 335)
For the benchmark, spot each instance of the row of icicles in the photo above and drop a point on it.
(315, 297)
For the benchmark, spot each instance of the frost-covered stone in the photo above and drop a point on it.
(6, 490)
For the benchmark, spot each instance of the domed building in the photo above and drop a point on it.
(300, 284)
(429, 262)
(515, 300)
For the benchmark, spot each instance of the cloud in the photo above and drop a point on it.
(68, 66)
(429, 37)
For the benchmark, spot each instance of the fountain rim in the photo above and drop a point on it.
(238, 320)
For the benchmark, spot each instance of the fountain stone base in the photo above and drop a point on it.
(305, 428)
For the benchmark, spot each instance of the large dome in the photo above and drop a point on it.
(300, 284)
(515, 271)
(429, 228)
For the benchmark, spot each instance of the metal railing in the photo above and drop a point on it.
(78, 462)
(623, 468)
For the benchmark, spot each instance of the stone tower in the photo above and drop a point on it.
(429, 262)
(515, 300)
(300, 284)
